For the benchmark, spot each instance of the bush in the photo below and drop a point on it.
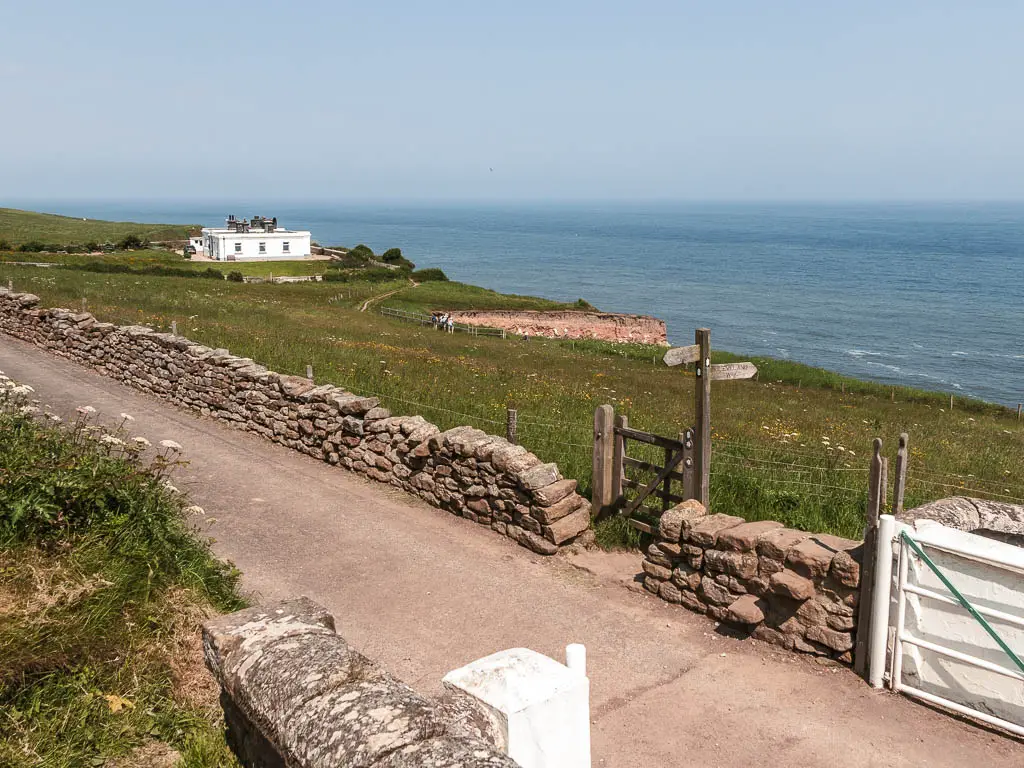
(372, 275)
(432, 274)
(32, 246)
(107, 267)
(585, 305)
(235, 276)
(6, 246)
(365, 250)
(92, 246)
(131, 242)
(391, 255)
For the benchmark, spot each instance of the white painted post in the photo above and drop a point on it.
(541, 709)
(880, 600)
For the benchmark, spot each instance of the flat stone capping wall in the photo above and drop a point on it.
(791, 588)
(481, 477)
(295, 694)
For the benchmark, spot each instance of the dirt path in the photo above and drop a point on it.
(375, 299)
(424, 592)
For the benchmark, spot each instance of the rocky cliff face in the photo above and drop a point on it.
(606, 326)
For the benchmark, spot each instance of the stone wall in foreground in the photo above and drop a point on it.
(296, 694)
(791, 588)
(481, 477)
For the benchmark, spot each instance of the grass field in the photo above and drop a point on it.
(103, 585)
(17, 227)
(798, 454)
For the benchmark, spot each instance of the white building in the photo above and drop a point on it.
(243, 240)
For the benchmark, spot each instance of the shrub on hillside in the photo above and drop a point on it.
(372, 275)
(391, 255)
(363, 249)
(32, 246)
(6, 246)
(433, 274)
(131, 242)
(235, 276)
(109, 267)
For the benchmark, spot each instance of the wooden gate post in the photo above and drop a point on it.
(702, 410)
(511, 423)
(876, 502)
(604, 429)
(900, 483)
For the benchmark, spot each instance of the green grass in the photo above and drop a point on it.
(770, 455)
(17, 227)
(102, 586)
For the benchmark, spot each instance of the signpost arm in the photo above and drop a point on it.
(702, 410)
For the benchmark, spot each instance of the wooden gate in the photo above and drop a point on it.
(641, 490)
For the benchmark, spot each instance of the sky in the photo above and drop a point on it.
(553, 100)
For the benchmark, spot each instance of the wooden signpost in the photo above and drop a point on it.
(700, 354)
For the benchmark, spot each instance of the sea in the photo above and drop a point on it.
(924, 295)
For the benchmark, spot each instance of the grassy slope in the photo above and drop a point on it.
(103, 584)
(18, 227)
(771, 456)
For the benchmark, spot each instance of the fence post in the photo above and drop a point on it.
(688, 476)
(10, 287)
(309, 372)
(84, 303)
(618, 463)
(604, 419)
(879, 598)
(900, 483)
(1019, 405)
(511, 420)
(174, 327)
(867, 567)
(702, 409)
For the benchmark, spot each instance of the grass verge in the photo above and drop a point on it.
(103, 585)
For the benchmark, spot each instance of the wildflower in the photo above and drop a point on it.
(22, 389)
(111, 440)
(170, 445)
(171, 488)
(141, 442)
(86, 410)
(54, 418)
(29, 410)
(127, 417)
(194, 510)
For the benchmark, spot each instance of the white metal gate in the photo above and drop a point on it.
(955, 630)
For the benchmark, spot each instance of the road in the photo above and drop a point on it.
(424, 592)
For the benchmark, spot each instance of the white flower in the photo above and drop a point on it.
(171, 488)
(29, 410)
(170, 445)
(141, 442)
(126, 417)
(194, 510)
(111, 440)
(86, 410)
(54, 418)
(22, 389)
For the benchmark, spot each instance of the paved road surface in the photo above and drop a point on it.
(424, 592)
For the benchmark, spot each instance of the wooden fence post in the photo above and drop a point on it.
(10, 287)
(618, 461)
(604, 420)
(309, 372)
(867, 566)
(511, 422)
(900, 483)
(689, 489)
(84, 303)
(1019, 405)
(702, 409)
(174, 327)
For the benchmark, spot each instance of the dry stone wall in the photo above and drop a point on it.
(791, 588)
(481, 477)
(294, 693)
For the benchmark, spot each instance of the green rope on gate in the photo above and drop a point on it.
(963, 600)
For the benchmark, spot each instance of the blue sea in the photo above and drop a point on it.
(927, 295)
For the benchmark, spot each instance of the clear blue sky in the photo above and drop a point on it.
(570, 100)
